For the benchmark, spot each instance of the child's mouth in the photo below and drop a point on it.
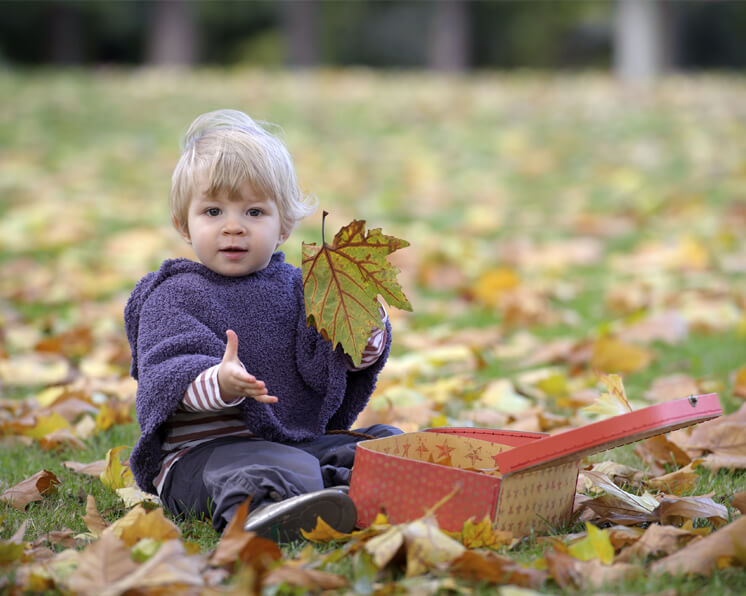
(233, 252)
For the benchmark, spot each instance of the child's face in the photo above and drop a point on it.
(233, 235)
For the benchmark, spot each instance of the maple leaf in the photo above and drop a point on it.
(612, 403)
(342, 281)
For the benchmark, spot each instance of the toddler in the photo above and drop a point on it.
(237, 397)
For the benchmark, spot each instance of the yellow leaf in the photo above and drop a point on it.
(482, 534)
(139, 524)
(596, 545)
(490, 287)
(46, 425)
(428, 546)
(612, 403)
(112, 412)
(131, 495)
(116, 475)
(323, 532)
(612, 355)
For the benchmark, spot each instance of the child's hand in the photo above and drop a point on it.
(233, 379)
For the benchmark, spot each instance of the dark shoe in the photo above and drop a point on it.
(282, 522)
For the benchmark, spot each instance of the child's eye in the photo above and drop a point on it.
(255, 212)
(213, 211)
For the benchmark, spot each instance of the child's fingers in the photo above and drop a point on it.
(266, 399)
(231, 346)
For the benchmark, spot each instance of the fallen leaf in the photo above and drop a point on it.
(100, 566)
(613, 356)
(657, 540)
(614, 402)
(61, 439)
(35, 488)
(341, 283)
(132, 495)
(95, 468)
(691, 508)
(570, 572)
(617, 505)
(595, 545)
(739, 501)
(323, 532)
(236, 544)
(479, 566)
(92, 518)
(312, 580)
(481, 535)
(658, 451)
(427, 546)
(678, 482)
(139, 524)
(701, 557)
(115, 474)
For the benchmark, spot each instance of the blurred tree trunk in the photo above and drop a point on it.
(172, 33)
(66, 43)
(449, 36)
(644, 39)
(300, 29)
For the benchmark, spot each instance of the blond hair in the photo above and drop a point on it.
(230, 149)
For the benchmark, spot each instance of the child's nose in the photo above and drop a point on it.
(233, 225)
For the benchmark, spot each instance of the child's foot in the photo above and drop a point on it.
(282, 522)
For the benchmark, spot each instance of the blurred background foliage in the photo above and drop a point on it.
(444, 34)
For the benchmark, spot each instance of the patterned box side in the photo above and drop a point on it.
(537, 499)
(387, 478)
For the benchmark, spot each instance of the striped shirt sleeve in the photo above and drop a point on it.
(203, 395)
(375, 347)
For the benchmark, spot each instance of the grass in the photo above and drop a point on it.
(475, 173)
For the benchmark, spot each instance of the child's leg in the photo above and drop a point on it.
(336, 452)
(227, 471)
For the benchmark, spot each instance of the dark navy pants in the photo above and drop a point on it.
(215, 478)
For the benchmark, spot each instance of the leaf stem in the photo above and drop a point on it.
(323, 221)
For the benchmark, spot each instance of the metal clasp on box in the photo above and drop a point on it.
(693, 401)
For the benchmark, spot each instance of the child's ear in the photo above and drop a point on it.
(183, 232)
(281, 239)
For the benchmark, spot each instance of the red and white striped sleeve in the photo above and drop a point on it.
(203, 395)
(375, 347)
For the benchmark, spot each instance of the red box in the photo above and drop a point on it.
(519, 480)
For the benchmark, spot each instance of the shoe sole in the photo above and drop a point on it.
(284, 524)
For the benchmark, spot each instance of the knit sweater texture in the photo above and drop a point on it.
(176, 319)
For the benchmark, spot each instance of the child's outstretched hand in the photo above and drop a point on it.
(233, 379)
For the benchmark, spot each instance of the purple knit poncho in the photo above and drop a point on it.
(176, 319)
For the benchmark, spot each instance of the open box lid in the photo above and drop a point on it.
(610, 433)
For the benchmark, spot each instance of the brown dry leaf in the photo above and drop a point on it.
(691, 508)
(236, 544)
(670, 327)
(725, 435)
(112, 412)
(94, 468)
(100, 566)
(617, 505)
(658, 451)
(657, 540)
(384, 547)
(73, 344)
(679, 482)
(570, 572)
(32, 489)
(701, 557)
(739, 501)
(311, 579)
(93, 520)
(168, 571)
(486, 566)
(613, 356)
(61, 439)
(672, 387)
(716, 461)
